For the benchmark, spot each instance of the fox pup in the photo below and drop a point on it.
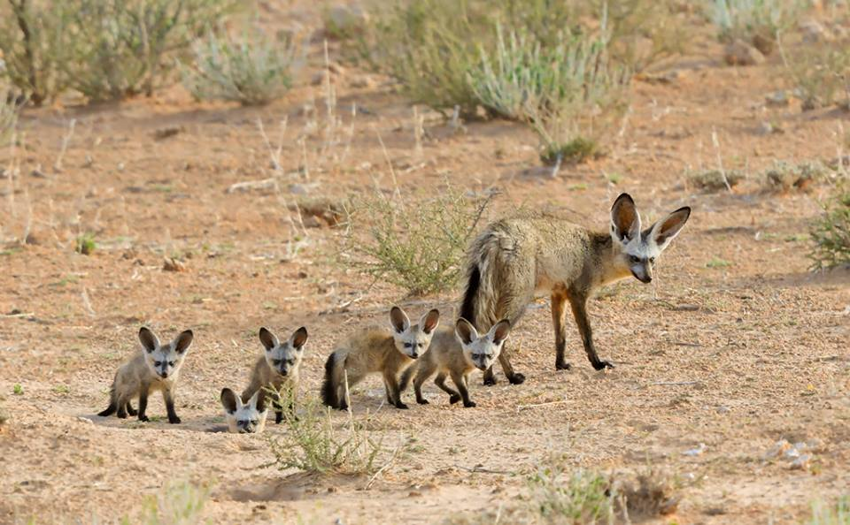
(457, 353)
(244, 418)
(376, 350)
(155, 367)
(514, 259)
(278, 365)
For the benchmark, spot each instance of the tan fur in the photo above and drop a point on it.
(135, 376)
(262, 376)
(367, 352)
(447, 359)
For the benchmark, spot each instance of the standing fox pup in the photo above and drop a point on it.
(376, 350)
(278, 365)
(457, 353)
(514, 259)
(244, 418)
(155, 367)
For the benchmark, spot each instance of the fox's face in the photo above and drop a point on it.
(248, 418)
(638, 249)
(164, 360)
(413, 340)
(482, 351)
(284, 358)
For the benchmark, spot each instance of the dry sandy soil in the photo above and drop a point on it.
(724, 359)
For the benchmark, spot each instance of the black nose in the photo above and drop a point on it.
(414, 355)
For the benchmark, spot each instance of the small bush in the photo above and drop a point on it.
(755, 21)
(831, 233)
(33, 44)
(312, 444)
(251, 70)
(786, 176)
(714, 179)
(415, 246)
(838, 514)
(578, 498)
(821, 73)
(122, 48)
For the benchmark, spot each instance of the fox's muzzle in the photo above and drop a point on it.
(646, 279)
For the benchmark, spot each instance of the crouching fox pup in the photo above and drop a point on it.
(515, 259)
(278, 366)
(375, 350)
(244, 418)
(154, 367)
(457, 353)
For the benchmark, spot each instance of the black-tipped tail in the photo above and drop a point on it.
(113, 405)
(329, 387)
(467, 309)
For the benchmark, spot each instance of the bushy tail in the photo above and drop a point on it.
(480, 298)
(113, 404)
(330, 386)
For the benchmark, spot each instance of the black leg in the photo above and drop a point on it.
(460, 383)
(454, 397)
(143, 404)
(579, 306)
(131, 410)
(393, 393)
(168, 396)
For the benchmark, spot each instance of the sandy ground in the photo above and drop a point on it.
(724, 359)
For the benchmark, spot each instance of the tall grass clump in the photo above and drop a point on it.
(33, 45)
(831, 232)
(838, 514)
(121, 48)
(312, 444)
(178, 504)
(417, 246)
(8, 117)
(251, 70)
(754, 21)
(577, 498)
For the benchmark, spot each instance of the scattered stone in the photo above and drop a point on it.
(765, 44)
(171, 264)
(801, 463)
(740, 53)
(302, 189)
(695, 451)
(85, 420)
(813, 31)
(777, 99)
(779, 448)
(269, 184)
(168, 131)
(363, 82)
(768, 128)
(37, 173)
(346, 20)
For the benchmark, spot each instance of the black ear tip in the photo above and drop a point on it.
(263, 330)
(224, 391)
(302, 330)
(189, 333)
(624, 197)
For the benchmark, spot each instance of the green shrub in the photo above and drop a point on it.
(85, 244)
(179, 504)
(755, 21)
(33, 43)
(417, 246)
(121, 48)
(250, 70)
(838, 514)
(786, 176)
(831, 232)
(578, 498)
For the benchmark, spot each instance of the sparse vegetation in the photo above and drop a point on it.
(755, 21)
(714, 179)
(837, 514)
(831, 232)
(415, 246)
(786, 176)
(85, 244)
(821, 72)
(312, 444)
(576, 498)
(180, 504)
(250, 70)
(17, 389)
(8, 117)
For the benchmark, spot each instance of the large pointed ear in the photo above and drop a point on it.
(183, 341)
(268, 339)
(500, 330)
(299, 337)
(625, 220)
(465, 331)
(399, 319)
(430, 321)
(149, 339)
(230, 401)
(666, 230)
(259, 400)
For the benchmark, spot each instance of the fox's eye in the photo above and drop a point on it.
(157, 363)
(652, 260)
(171, 363)
(408, 345)
(634, 258)
(276, 361)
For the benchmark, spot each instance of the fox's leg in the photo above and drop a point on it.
(143, 403)
(454, 397)
(122, 407)
(579, 306)
(559, 302)
(514, 378)
(393, 393)
(130, 410)
(423, 372)
(460, 383)
(168, 397)
(512, 309)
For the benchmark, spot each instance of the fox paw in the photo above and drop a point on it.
(601, 365)
(144, 418)
(422, 401)
(516, 379)
(489, 381)
(563, 366)
(401, 406)
(453, 399)
(174, 420)
(470, 404)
